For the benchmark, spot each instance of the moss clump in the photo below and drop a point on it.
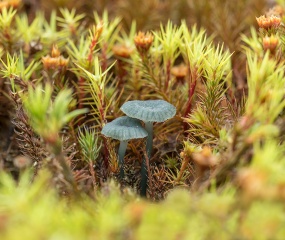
(216, 168)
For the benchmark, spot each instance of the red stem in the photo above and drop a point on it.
(91, 49)
(104, 58)
(168, 69)
(81, 94)
(191, 92)
(121, 73)
(103, 120)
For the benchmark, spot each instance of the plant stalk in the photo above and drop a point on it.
(149, 143)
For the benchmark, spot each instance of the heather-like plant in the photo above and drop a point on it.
(210, 68)
(90, 150)
(48, 117)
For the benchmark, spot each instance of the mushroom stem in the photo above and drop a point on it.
(149, 142)
(121, 153)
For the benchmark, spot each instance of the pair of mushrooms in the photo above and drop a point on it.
(129, 127)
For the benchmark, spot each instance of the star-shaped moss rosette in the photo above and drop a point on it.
(148, 111)
(124, 129)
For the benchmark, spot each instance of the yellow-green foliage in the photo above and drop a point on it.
(33, 210)
(225, 182)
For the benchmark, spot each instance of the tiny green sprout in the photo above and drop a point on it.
(90, 147)
(171, 162)
(149, 111)
(47, 116)
(70, 21)
(124, 129)
(14, 67)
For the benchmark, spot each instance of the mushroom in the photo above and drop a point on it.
(148, 111)
(124, 129)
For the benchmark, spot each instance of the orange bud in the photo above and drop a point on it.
(55, 52)
(270, 43)
(122, 50)
(179, 72)
(268, 22)
(143, 41)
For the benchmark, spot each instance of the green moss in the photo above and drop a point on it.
(217, 169)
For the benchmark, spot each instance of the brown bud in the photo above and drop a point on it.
(62, 62)
(14, 3)
(179, 72)
(143, 42)
(268, 22)
(48, 62)
(270, 43)
(263, 22)
(9, 3)
(205, 158)
(275, 21)
(121, 50)
(4, 4)
(54, 62)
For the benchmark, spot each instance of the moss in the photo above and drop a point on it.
(217, 167)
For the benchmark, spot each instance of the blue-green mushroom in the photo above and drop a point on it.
(124, 129)
(148, 111)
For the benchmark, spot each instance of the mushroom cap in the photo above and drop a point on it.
(149, 110)
(124, 128)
